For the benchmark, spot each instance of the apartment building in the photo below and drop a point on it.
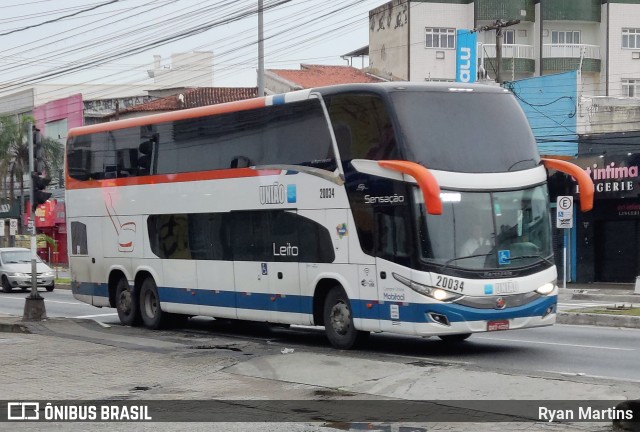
(415, 40)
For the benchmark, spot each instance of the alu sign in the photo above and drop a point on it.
(466, 56)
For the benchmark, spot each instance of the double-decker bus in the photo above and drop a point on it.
(418, 209)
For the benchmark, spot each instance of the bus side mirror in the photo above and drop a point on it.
(425, 179)
(582, 178)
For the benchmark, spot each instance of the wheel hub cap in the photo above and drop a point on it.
(340, 318)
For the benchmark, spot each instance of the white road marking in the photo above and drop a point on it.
(47, 301)
(555, 343)
(95, 316)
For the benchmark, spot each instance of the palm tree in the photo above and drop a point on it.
(14, 153)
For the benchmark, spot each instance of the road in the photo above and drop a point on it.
(601, 352)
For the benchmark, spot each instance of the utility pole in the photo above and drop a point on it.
(260, 50)
(34, 309)
(498, 26)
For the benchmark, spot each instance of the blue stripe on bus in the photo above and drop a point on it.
(240, 300)
(90, 288)
(418, 312)
(278, 99)
(366, 309)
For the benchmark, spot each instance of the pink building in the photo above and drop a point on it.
(54, 119)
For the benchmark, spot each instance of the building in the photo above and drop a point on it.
(416, 40)
(191, 69)
(181, 98)
(602, 135)
(574, 65)
(310, 76)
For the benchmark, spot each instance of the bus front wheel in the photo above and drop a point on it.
(152, 316)
(338, 321)
(127, 304)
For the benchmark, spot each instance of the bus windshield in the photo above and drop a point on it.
(472, 132)
(487, 230)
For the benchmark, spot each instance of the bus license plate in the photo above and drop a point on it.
(497, 325)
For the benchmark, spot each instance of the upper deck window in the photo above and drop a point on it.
(288, 134)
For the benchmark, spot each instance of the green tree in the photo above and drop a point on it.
(14, 153)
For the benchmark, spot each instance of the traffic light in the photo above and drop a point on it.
(38, 180)
(146, 150)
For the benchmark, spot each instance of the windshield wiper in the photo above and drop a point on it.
(445, 265)
(548, 261)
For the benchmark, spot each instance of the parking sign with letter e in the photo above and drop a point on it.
(564, 212)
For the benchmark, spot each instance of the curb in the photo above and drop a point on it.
(612, 298)
(602, 320)
(13, 328)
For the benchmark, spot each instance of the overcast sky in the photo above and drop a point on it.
(114, 41)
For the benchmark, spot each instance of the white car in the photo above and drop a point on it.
(15, 270)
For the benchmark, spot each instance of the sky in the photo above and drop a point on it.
(114, 41)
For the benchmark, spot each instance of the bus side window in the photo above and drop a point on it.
(250, 236)
(392, 234)
(78, 238)
(369, 125)
(342, 133)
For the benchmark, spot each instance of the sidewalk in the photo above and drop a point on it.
(617, 294)
(78, 359)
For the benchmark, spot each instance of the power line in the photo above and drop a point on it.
(59, 18)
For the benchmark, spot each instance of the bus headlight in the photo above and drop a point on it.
(434, 293)
(547, 288)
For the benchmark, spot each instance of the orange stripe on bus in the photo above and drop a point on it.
(170, 178)
(224, 108)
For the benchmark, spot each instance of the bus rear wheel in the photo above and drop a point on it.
(338, 321)
(127, 304)
(152, 316)
(455, 338)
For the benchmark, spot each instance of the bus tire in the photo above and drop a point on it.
(338, 321)
(127, 304)
(152, 316)
(455, 338)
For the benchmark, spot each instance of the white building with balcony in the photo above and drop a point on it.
(415, 40)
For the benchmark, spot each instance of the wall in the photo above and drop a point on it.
(608, 114)
(388, 39)
(275, 84)
(188, 69)
(550, 103)
(621, 63)
(17, 103)
(69, 109)
(424, 64)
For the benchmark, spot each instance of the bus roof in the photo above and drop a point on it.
(294, 96)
